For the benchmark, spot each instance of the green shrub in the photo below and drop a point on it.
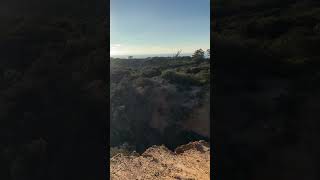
(180, 78)
(151, 72)
(203, 76)
(193, 70)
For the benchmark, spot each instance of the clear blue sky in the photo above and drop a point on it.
(159, 26)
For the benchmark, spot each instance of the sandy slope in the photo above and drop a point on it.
(191, 161)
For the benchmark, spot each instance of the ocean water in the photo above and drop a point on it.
(150, 55)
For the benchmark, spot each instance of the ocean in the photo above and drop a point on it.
(150, 55)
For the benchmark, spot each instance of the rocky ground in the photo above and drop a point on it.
(187, 162)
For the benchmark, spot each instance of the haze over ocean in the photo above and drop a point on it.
(149, 55)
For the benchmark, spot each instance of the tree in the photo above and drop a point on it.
(198, 54)
(208, 53)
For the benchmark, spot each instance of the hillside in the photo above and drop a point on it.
(155, 99)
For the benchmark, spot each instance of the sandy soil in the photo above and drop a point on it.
(187, 162)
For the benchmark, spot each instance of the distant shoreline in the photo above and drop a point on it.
(150, 55)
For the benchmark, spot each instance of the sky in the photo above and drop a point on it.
(159, 26)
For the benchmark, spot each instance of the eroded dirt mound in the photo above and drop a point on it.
(191, 161)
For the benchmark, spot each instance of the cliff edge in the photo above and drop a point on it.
(190, 161)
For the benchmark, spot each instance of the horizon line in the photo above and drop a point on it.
(151, 54)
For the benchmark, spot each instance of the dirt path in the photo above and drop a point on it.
(188, 162)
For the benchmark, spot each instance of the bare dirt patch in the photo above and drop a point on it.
(187, 162)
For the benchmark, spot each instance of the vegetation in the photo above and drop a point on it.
(180, 78)
(151, 97)
(198, 54)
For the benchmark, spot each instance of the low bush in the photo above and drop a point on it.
(180, 78)
(151, 72)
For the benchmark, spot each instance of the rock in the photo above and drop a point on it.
(158, 162)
